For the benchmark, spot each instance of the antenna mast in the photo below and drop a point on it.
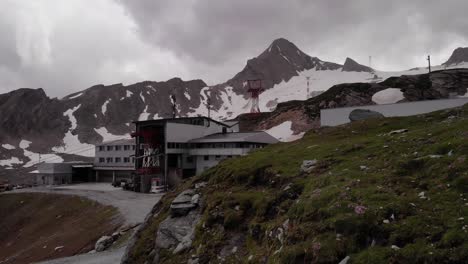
(429, 61)
(255, 89)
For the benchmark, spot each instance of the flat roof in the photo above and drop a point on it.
(129, 141)
(251, 137)
(162, 120)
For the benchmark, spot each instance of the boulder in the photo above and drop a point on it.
(184, 203)
(308, 165)
(103, 243)
(363, 114)
(177, 232)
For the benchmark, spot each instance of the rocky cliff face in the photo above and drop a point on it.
(460, 55)
(437, 85)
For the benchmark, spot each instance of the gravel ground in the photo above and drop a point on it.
(132, 205)
(106, 257)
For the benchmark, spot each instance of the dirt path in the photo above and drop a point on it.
(133, 206)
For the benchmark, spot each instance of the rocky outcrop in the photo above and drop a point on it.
(436, 85)
(458, 56)
(363, 114)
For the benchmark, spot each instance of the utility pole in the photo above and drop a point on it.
(208, 106)
(308, 88)
(429, 61)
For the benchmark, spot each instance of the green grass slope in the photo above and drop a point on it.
(375, 197)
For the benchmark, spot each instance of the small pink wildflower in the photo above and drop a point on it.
(359, 209)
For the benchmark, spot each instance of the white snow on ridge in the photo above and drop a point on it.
(24, 144)
(144, 116)
(187, 95)
(388, 96)
(107, 136)
(8, 146)
(142, 97)
(104, 107)
(283, 132)
(71, 143)
(76, 96)
(129, 94)
(35, 158)
(10, 162)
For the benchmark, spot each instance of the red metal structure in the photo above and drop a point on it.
(152, 150)
(255, 89)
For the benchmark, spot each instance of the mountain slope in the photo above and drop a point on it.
(459, 56)
(34, 126)
(372, 195)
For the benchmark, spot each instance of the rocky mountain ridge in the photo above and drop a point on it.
(72, 125)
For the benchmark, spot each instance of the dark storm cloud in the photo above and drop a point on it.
(213, 31)
(66, 46)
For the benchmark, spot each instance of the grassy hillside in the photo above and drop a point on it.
(374, 196)
(36, 227)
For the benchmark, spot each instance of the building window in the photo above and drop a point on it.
(217, 157)
(109, 148)
(229, 156)
(189, 159)
(101, 148)
(109, 160)
(133, 147)
(126, 160)
(133, 160)
(117, 160)
(127, 147)
(206, 157)
(118, 147)
(102, 160)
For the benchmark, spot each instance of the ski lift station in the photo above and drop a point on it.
(161, 153)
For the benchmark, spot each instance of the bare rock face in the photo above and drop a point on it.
(352, 66)
(459, 55)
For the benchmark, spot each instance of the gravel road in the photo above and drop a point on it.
(132, 206)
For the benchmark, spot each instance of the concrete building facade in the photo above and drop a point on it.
(170, 150)
(114, 160)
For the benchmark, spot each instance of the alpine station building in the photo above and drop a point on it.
(169, 150)
(114, 160)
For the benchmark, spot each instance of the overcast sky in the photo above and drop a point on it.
(65, 46)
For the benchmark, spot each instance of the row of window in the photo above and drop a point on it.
(116, 148)
(116, 160)
(213, 145)
(216, 157)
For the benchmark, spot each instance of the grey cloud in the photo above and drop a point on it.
(127, 41)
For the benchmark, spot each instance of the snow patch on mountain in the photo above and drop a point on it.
(8, 146)
(142, 97)
(35, 158)
(104, 106)
(388, 96)
(71, 143)
(8, 163)
(129, 93)
(144, 116)
(107, 136)
(76, 96)
(283, 132)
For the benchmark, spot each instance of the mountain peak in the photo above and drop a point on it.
(459, 55)
(351, 65)
(283, 46)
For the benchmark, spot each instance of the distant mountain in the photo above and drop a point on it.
(460, 55)
(34, 126)
(352, 66)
